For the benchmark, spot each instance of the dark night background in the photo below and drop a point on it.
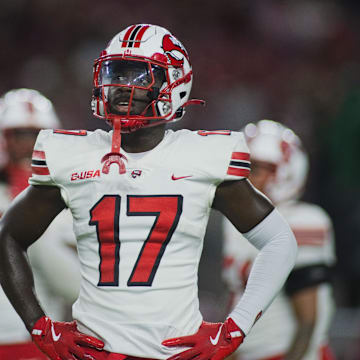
(297, 62)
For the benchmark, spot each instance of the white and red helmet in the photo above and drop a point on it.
(26, 108)
(272, 142)
(151, 51)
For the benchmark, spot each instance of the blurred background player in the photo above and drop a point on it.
(296, 324)
(23, 112)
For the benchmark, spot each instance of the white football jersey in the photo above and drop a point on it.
(273, 333)
(139, 234)
(54, 263)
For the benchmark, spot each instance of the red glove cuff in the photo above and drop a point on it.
(41, 326)
(233, 330)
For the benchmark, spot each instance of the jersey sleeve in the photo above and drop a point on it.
(41, 174)
(315, 240)
(238, 160)
(313, 231)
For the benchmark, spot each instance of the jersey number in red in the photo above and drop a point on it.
(105, 216)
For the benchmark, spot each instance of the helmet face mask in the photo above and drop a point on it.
(143, 78)
(130, 89)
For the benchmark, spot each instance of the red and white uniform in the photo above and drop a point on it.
(272, 335)
(140, 234)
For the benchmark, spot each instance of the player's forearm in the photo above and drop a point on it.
(278, 249)
(17, 280)
(300, 342)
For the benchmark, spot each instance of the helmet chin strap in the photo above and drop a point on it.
(114, 157)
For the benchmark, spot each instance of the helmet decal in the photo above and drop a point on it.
(286, 150)
(30, 107)
(133, 36)
(171, 44)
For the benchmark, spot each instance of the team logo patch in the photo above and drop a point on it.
(171, 46)
(89, 174)
(136, 173)
(173, 177)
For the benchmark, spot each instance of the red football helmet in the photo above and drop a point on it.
(154, 72)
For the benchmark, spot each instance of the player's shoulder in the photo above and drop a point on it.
(313, 231)
(214, 143)
(303, 216)
(222, 154)
(204, 137)
(69, 140)
(57, 152)
(61, 135)
(305, 210)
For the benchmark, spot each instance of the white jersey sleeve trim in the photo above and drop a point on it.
(41, 174)
(277, 256)
(239, 162)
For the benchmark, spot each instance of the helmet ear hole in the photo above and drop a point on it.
(179, 112)
(182, 94)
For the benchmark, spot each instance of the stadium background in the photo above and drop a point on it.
(297, 62)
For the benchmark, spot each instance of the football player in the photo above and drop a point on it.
(296, 325)
(23, 112)
(140, 197)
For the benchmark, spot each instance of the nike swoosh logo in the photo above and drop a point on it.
(55, 337)
(173, 177)
(216, 339)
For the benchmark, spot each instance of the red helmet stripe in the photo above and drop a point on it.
(132, 36)
(140, 35)
(127, 35)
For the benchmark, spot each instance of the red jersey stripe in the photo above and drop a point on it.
(240, 156)
(310, 232)
(140, 35)
(311, 237)
(37, 170)
(238, 172)
(309, 242)
(127, 35)
(38, 154)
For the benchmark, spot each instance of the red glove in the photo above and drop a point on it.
(213, 341)
(62, 340)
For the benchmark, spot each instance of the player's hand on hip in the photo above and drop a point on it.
(62, 340)
(213, 341)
